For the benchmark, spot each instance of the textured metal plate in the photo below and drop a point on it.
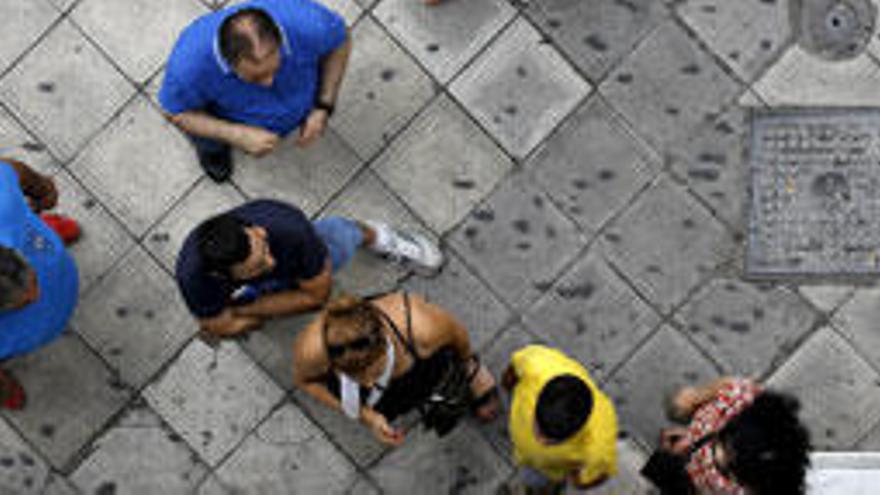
(815, 193)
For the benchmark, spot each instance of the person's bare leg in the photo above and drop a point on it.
(369, 234)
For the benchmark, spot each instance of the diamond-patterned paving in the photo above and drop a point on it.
(583, 163)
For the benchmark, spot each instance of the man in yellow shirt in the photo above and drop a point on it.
(562, 426)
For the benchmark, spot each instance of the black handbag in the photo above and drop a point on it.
(668, 471)
(451, 398)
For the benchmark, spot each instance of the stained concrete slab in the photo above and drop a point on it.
(827, 371)
(163, 461)
(518, 241)
(212, 397)
(64, 90)
(594, 314)
(382, 90)
(443, 165)
(520, 88)
(443, 38)
(139, 166)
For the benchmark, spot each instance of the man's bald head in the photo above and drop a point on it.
(249, 39)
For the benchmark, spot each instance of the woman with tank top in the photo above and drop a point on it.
(377, 359)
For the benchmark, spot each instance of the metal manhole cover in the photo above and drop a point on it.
(815, 193)
(834, 29)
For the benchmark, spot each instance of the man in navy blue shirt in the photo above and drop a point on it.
(248, 75)
(265, 259)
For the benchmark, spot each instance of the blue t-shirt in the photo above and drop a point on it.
(198, 78)
(25, 329)
(299, 254)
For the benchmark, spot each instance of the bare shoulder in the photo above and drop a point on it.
(309, 356)
(429, 323)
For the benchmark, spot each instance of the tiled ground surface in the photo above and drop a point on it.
(581, 160)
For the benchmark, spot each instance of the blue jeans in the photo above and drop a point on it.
(342, 238)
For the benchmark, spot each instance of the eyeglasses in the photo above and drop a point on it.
(359, 344)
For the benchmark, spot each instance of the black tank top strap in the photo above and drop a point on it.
(409, 344)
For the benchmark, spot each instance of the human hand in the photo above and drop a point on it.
(674, 440)
(509, 378)
(682, 404)
(48, 197)
(312, 128)
(383, 431)
(256, 141)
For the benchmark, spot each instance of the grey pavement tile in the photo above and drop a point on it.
(593, 165)
(748, 329)
(714, 165)
(213, 397)
(363, 486)
(520, 88)
(444, 37)
(63, 5)
(826, 297)
(71, 395)
(871, 442)
(596, 34)
(630, 460)
(366, 198)
(64, 90)
(136, 34)
(462, 462)
(19, 144)
(287, 454)
(22, 24)
(22, 471)
(497, 357)
(800, 79)
(857, 321)
(667, 243)
(104, 241)
(207, 199)
(748, 35)
(212, 486)
(272, 346)
(518, 241)
(442, 165)
(593, 315)
(838, 390)
(352, 437)
(138, 166)
(668, 87)
(460, 292)
(134, 318)
(306, 177)
(59, 485)
(351, 10)
(139, 455)
(383, 88)
(667, 362)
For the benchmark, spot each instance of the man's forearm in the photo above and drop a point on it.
(280, 304)
(203, 125)
(332, 71)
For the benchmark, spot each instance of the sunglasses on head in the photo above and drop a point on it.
(359, 344)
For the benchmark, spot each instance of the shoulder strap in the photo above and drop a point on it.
(408, 344)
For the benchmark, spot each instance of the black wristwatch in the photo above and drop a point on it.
(327, 107)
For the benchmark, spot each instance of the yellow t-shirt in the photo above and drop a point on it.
(592, 450)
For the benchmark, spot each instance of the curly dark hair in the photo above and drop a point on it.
(769, 446)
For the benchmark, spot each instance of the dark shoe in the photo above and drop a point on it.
(11, 392)
(66, 228)
(217, 164)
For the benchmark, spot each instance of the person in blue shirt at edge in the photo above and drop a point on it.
(265, 259)
(39, 283)
(248, 75)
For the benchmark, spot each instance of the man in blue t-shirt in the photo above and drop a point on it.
(39, 283)
(248, 75)
(265, 259)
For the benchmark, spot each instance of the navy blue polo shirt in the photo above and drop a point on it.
(198, 78)
(298, 251)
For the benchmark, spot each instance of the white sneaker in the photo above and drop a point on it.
(405, 247)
